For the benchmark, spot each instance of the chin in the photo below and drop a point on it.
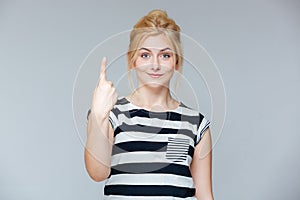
(154, 85)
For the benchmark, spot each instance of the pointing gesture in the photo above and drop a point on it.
(103, 70)
(104, 96)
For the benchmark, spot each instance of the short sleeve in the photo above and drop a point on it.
(204, 124)
(112, 118)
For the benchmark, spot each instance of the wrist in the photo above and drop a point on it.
(99, 117)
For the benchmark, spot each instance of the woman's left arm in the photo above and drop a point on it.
(201, 167)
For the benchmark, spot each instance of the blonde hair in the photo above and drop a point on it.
(154, 23)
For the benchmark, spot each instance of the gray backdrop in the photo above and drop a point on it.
(255, 45)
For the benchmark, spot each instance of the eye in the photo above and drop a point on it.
(166, 55)
(145, 55)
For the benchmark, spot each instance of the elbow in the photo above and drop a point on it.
(96, 171)
(98, 178)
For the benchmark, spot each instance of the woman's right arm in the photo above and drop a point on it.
(98, 148)
(100, 134)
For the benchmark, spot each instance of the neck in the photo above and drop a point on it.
(154, 99)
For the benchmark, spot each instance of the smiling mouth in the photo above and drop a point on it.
(155, 75)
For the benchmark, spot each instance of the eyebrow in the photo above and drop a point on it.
(143, 48)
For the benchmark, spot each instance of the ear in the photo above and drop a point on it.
(176, 65)
(132, 66)
(128, 58)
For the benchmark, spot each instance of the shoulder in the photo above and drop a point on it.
(119, 106)
(196, 118)
(189, 111)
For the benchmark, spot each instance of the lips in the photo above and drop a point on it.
(155, 75)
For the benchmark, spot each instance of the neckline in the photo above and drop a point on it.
(157, 112)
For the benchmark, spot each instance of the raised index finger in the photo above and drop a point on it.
(103, 70)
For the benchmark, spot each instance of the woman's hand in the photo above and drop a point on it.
(104, 96)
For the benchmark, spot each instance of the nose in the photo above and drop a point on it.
(155, 63)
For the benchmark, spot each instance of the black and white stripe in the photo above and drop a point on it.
(177, 149)
(152, 152)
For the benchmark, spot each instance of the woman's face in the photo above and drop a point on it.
(155, 62)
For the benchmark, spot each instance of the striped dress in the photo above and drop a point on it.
(152, 152)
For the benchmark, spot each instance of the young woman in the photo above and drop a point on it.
(147, 145)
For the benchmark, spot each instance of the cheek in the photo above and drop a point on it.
(140, 63)
(169, 65)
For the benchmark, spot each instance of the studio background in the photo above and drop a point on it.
(255, 45)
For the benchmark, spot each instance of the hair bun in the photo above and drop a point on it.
(158, 13)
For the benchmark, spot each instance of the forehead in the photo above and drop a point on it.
(156, 42)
